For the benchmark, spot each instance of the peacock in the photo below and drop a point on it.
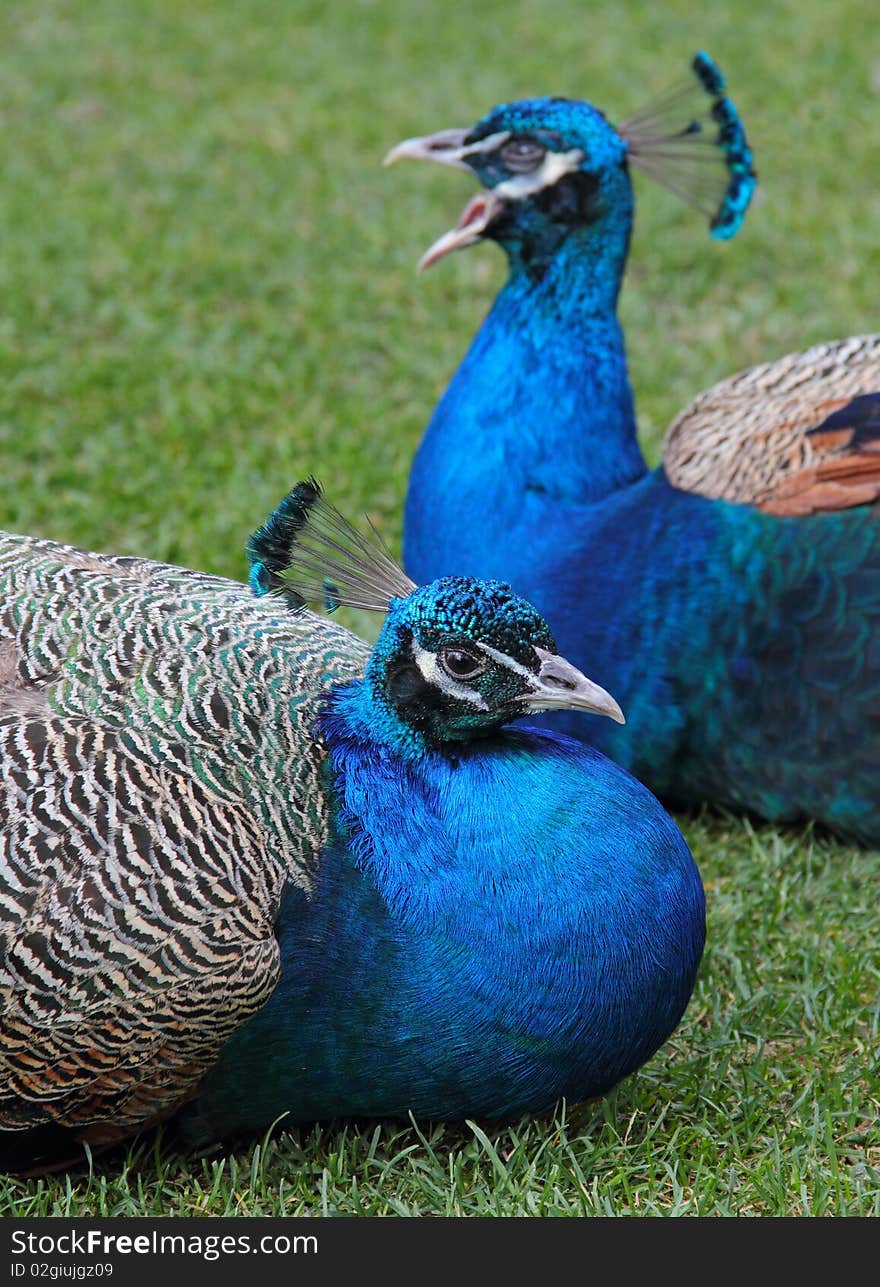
(729, 598)
(251, 868)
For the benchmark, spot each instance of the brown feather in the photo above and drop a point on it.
(758, 438)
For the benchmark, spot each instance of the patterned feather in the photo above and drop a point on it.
(797, 436)
(160, 787)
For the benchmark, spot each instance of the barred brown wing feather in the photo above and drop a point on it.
(160, 783)
(793, 437)
(135, 928)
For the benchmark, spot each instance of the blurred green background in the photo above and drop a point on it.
(207, 281)
(208, 291)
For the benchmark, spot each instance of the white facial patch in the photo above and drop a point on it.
(433, 674)
(491, 143)
(550, 171)
(508, 662)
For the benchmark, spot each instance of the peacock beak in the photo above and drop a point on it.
(448, 148)
(560, 686)
(471, 227)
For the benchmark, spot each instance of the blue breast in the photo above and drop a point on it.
(491, 932)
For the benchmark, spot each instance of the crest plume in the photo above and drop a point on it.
(692, 141)
(329, 563)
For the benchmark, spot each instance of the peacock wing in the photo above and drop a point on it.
(136, 913)
(793, 437)
(160, 783)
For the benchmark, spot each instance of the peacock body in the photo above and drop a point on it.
(250, 868)
(729, 598)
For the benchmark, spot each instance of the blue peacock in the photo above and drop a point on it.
(250, 867)
(731, 597)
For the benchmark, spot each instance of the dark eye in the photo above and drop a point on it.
(522, 155)
(461, 664)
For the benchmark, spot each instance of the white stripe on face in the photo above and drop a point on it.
(503, 660)
(432, 673)
(550, 171)
(490, 143)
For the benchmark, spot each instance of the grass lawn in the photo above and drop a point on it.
(207, 291)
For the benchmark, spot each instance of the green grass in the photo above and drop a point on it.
(207, 290)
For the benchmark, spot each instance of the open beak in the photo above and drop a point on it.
(448, 148)
(561, 686)
(471, 227)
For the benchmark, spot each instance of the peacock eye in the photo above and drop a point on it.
(461, 664)
(522, 155)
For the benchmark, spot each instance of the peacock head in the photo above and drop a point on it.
(460, 657)
(454, 660)
(551, 165)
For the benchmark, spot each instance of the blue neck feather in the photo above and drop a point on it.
(553, 348)
(540, 406)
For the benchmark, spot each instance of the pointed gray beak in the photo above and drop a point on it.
(445, 147)
(561, 686)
